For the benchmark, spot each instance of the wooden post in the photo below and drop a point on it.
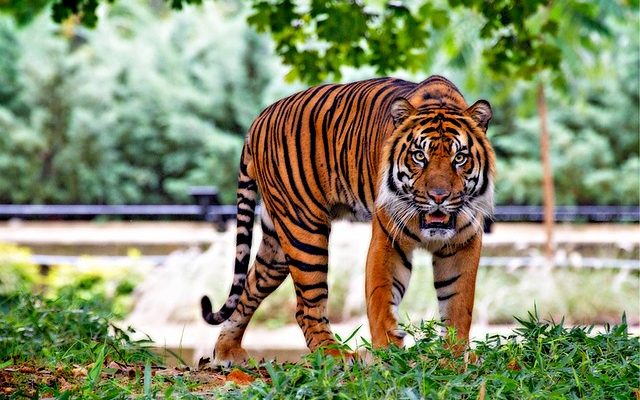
(547, 175)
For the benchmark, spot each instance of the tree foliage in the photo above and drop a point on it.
(318, 37)
(150, 102)
(594, 120)
(134, 111)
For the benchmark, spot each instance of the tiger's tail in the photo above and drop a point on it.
(245, 215)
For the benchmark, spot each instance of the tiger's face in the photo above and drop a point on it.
(438, 169)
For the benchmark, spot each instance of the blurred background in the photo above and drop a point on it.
(119, 146)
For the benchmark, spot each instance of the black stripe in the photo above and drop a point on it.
(268, 231)
(245, 201)
(244, 261)
(447, 297)
(398, 334)
(308, 267)
(447, 282)
(440, 254)
(396, 246)
(246, 213)
(237, 289)
(243, 239)
(305, 247)
(251, 185)
(269, 283)
(313, 301)
(380, 100)
(311, 121)
(399, 287)
(322, 320)
(465, 226)
(271, 263)
(309, 102)
(408, 233)
(319, 285)
(485, 171)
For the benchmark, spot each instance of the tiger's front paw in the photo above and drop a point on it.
(396, 337)
(347, 356)
(226, 356)
(392, 336)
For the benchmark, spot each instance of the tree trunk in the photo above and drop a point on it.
(547, 175)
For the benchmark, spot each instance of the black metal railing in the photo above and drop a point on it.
(207, 207)
(569, 213)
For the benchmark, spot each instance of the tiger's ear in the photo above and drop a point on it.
(401, 109)
(481, 112)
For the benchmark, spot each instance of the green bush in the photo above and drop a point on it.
(134, 111)
(89, 284)
(18, 274)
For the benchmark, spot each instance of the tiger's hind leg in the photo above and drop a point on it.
(306, 250)
(267, 273)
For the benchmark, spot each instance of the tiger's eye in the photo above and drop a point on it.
(460, 158)
(418, 157)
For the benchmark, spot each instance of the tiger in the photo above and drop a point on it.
(412, 158)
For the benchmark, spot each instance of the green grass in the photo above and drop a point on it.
(63, 330)
(65, 348)
(540, 360)
(47, 343)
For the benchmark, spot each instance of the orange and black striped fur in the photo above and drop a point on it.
(412, 158)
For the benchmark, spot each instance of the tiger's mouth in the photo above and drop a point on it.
(437, 220)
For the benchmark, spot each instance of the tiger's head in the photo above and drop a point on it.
(438, 167)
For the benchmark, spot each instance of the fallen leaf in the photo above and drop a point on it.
(471, 357)
(483, 391)
(240, 377)
(79, 371)
(169, 372)
(513, 365)
(27, 370)
(64, 385)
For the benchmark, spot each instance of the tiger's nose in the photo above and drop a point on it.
(438, 195)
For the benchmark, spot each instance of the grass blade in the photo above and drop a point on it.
(94, 375)
(147, 380)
